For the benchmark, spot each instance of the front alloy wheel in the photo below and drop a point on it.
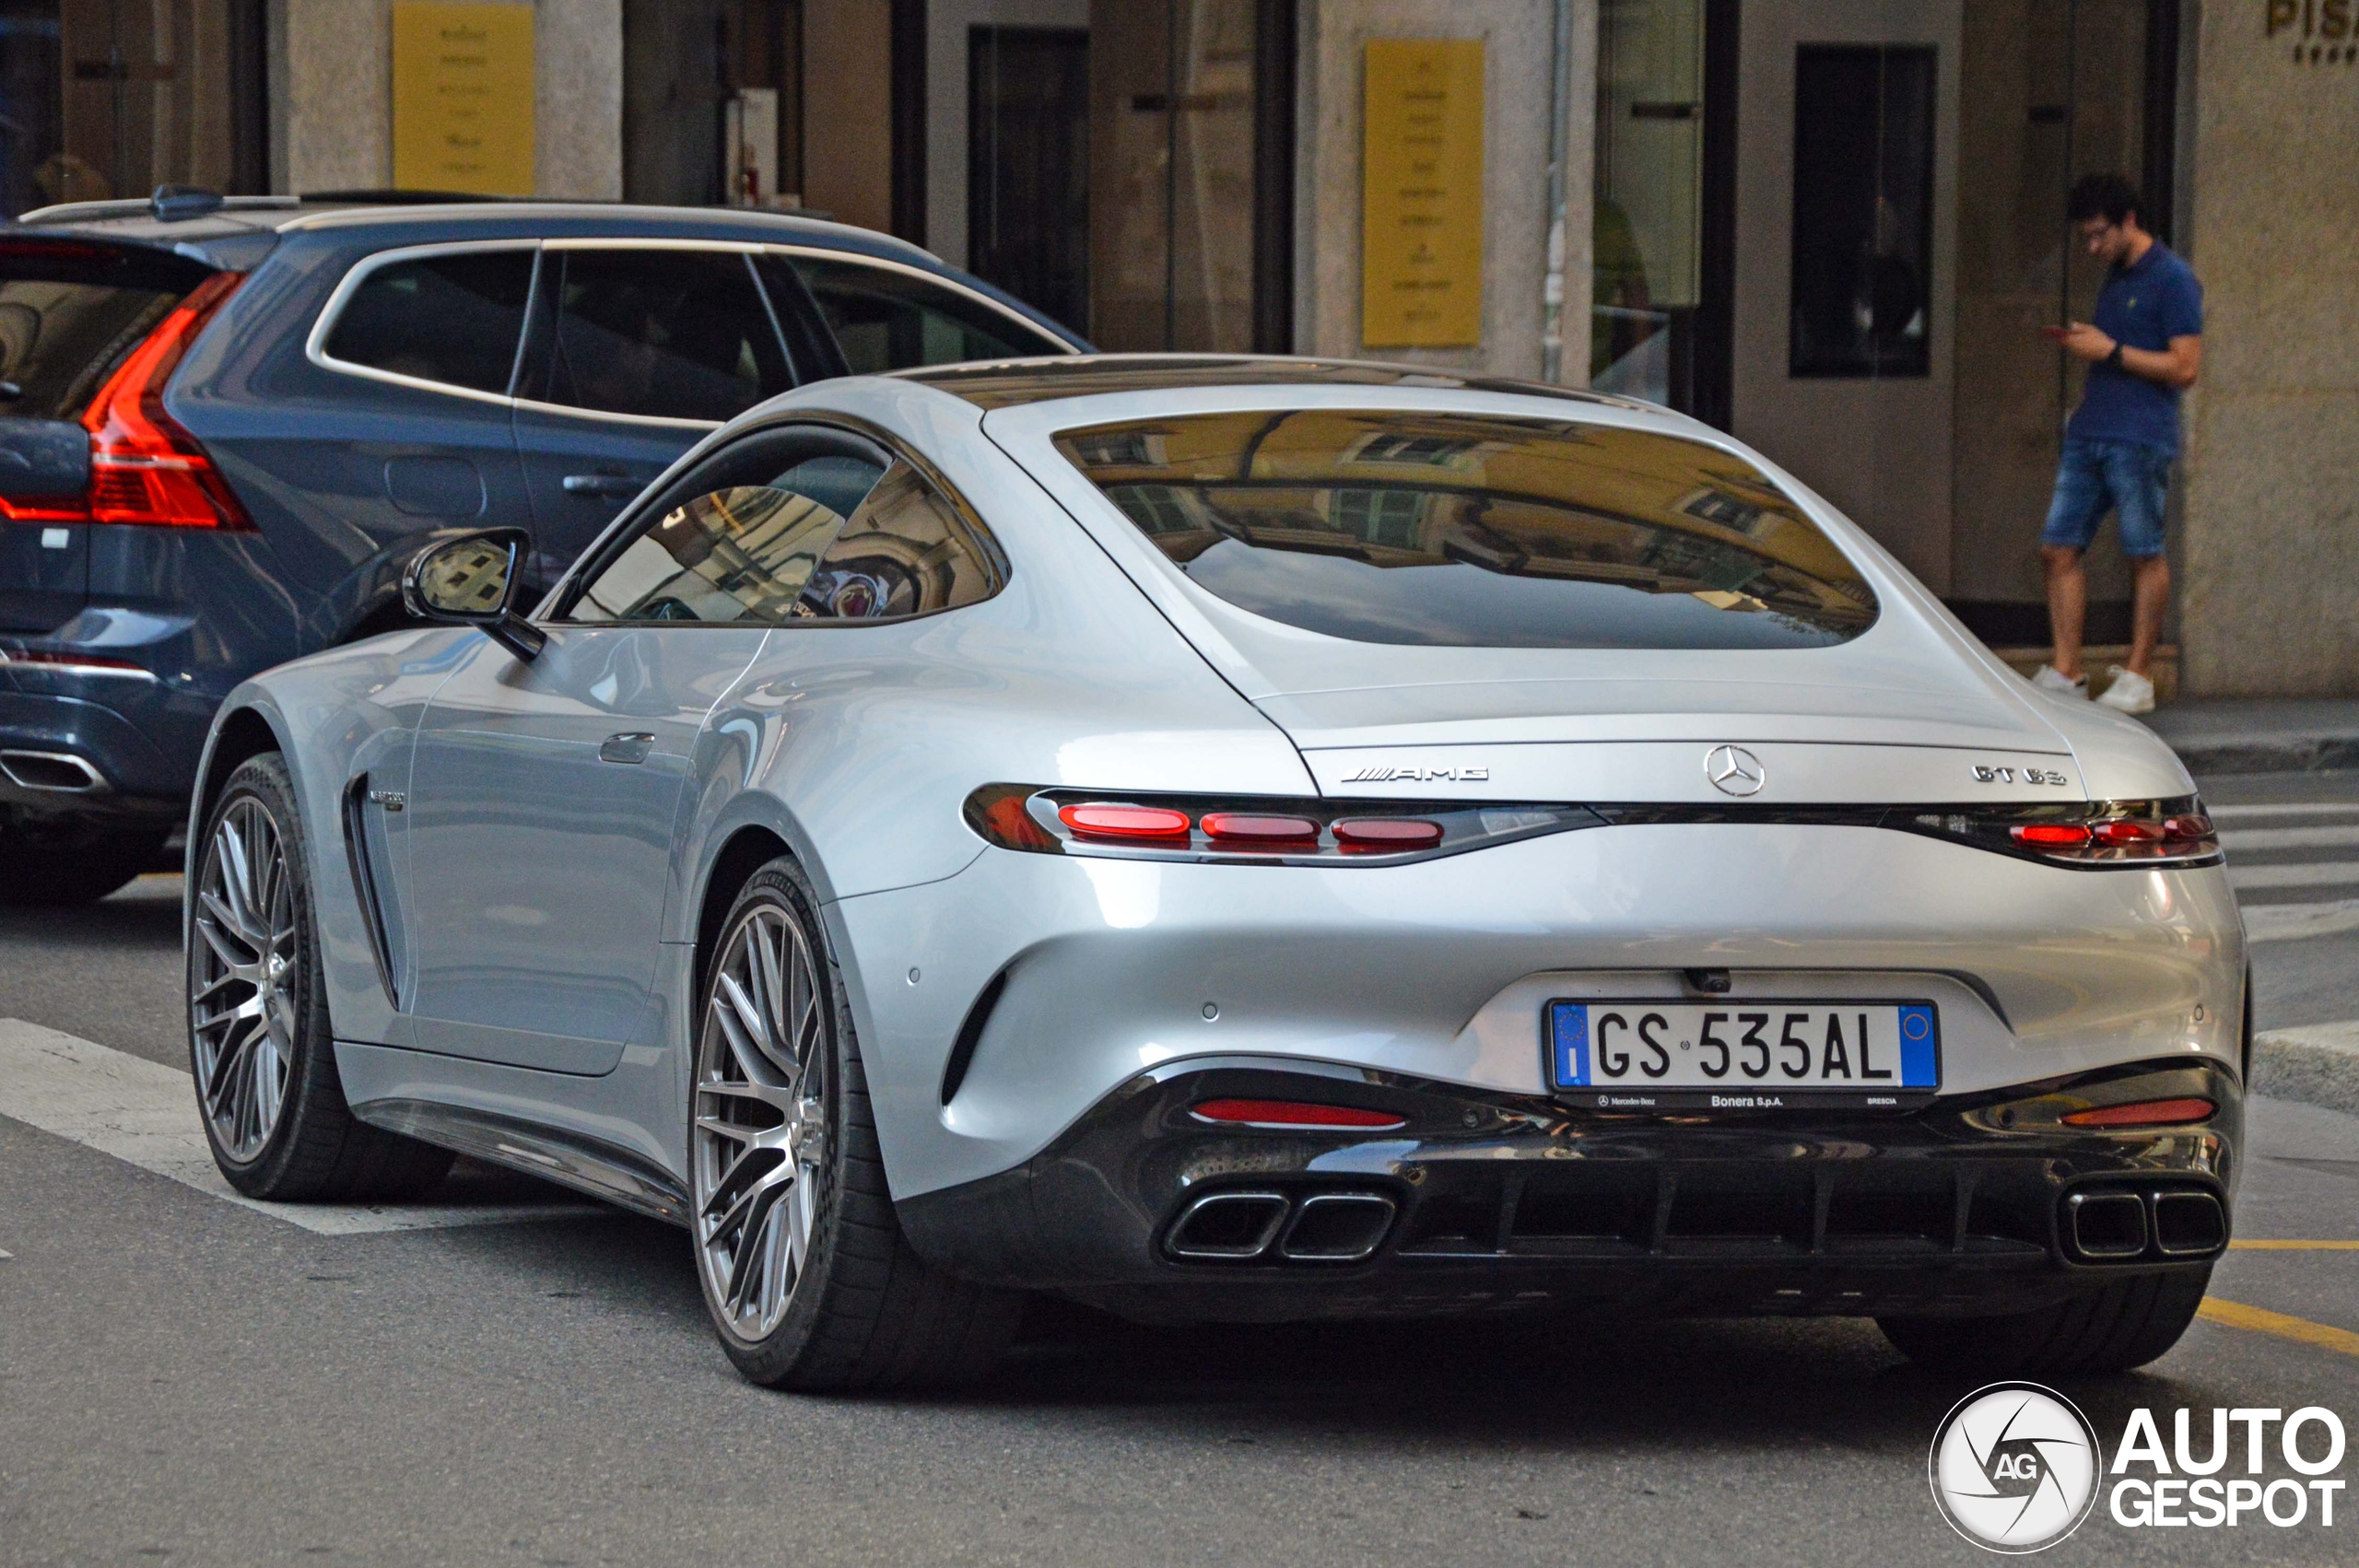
(267, 1090)
(246, 971)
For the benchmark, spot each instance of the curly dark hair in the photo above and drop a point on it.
(2108, 196)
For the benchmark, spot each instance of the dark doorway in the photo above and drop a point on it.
(1863, 211)
(1027, 165)
(683, 62)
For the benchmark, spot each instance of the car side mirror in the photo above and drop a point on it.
(471, 580)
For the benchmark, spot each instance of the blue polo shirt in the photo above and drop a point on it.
(2140, 306)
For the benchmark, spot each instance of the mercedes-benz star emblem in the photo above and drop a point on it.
(1734, 771)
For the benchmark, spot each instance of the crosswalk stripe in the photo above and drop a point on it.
(2324, 874)
(2243, 839)
(2286, 922)
(2303, 808)
(145, 1114)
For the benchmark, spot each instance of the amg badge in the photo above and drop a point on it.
(1417, 775)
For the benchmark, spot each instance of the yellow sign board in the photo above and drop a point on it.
(463, 98)
(1421, 194)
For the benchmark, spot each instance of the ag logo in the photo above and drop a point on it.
(2015, 1467)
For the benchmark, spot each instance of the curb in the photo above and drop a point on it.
(2319, 1065)
(2269, 753)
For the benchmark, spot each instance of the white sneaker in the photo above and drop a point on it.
(2050, 681)
(2129, 693)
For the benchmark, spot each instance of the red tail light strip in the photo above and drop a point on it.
(2112, 835)
(2144, 1112)
(1269, 831)
(1277, 830)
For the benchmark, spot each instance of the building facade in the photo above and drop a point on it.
(1831, 227)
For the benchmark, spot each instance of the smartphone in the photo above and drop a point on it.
(2056, 334)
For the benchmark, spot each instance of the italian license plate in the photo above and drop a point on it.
(1744, 1055)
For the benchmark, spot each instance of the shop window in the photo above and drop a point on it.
(1863, 210)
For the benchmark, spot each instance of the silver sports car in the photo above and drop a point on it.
(1232, 838)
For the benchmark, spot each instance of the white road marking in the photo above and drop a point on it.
(2290, 838)
(2304, 808)
(145, 1114)
(2324, 873)
(2288, 922)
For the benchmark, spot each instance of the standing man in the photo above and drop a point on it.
(2143, 351)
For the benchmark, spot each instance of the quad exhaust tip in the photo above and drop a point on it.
(2113, 1226)
(1320, 1227)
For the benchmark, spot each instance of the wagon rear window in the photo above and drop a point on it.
(1452, 530)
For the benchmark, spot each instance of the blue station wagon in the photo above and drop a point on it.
(228, 426)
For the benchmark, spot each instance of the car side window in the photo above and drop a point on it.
(887, 319)
(678, 334)
(454, 317)
(832, 537)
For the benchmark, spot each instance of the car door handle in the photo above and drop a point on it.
(603, 484)
(626, 748)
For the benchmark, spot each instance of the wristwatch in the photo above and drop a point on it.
(2114, 358)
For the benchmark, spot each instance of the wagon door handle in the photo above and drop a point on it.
(603, 484)
(626, 748)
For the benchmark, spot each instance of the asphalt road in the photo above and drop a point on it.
(184, 1380)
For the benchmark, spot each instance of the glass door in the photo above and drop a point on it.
(2052, 91)
(1661, 231)
(1189, 185)
(103, 98)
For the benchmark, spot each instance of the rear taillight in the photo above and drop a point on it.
(2103, 834)
(1247, 832)
(144, 467)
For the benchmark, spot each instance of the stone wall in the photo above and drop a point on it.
(1517, 66)
(2270, 601)
(331, 73)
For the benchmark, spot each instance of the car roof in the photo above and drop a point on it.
(240, 221)
(1014, 382)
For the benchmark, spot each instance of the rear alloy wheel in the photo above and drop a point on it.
(809, 1280)
(2119, 1326)
(265, 1059)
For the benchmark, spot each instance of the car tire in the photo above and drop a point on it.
(809, 1281)
(59, 869)
(268, 1093)
(2123, 1325)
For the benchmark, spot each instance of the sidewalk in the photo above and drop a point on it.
(2262, 735)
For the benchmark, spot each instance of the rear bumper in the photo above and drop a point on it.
(135, 754)
(1486, 1202)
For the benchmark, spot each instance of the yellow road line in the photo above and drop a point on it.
(2294, 1246)
(2260, 1320)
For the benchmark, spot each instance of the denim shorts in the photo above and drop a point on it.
(2123, 477)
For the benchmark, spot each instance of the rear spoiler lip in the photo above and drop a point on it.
(193, 265)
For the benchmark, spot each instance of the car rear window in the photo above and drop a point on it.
(453, 319)
(68, 315)
(1452, 530)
